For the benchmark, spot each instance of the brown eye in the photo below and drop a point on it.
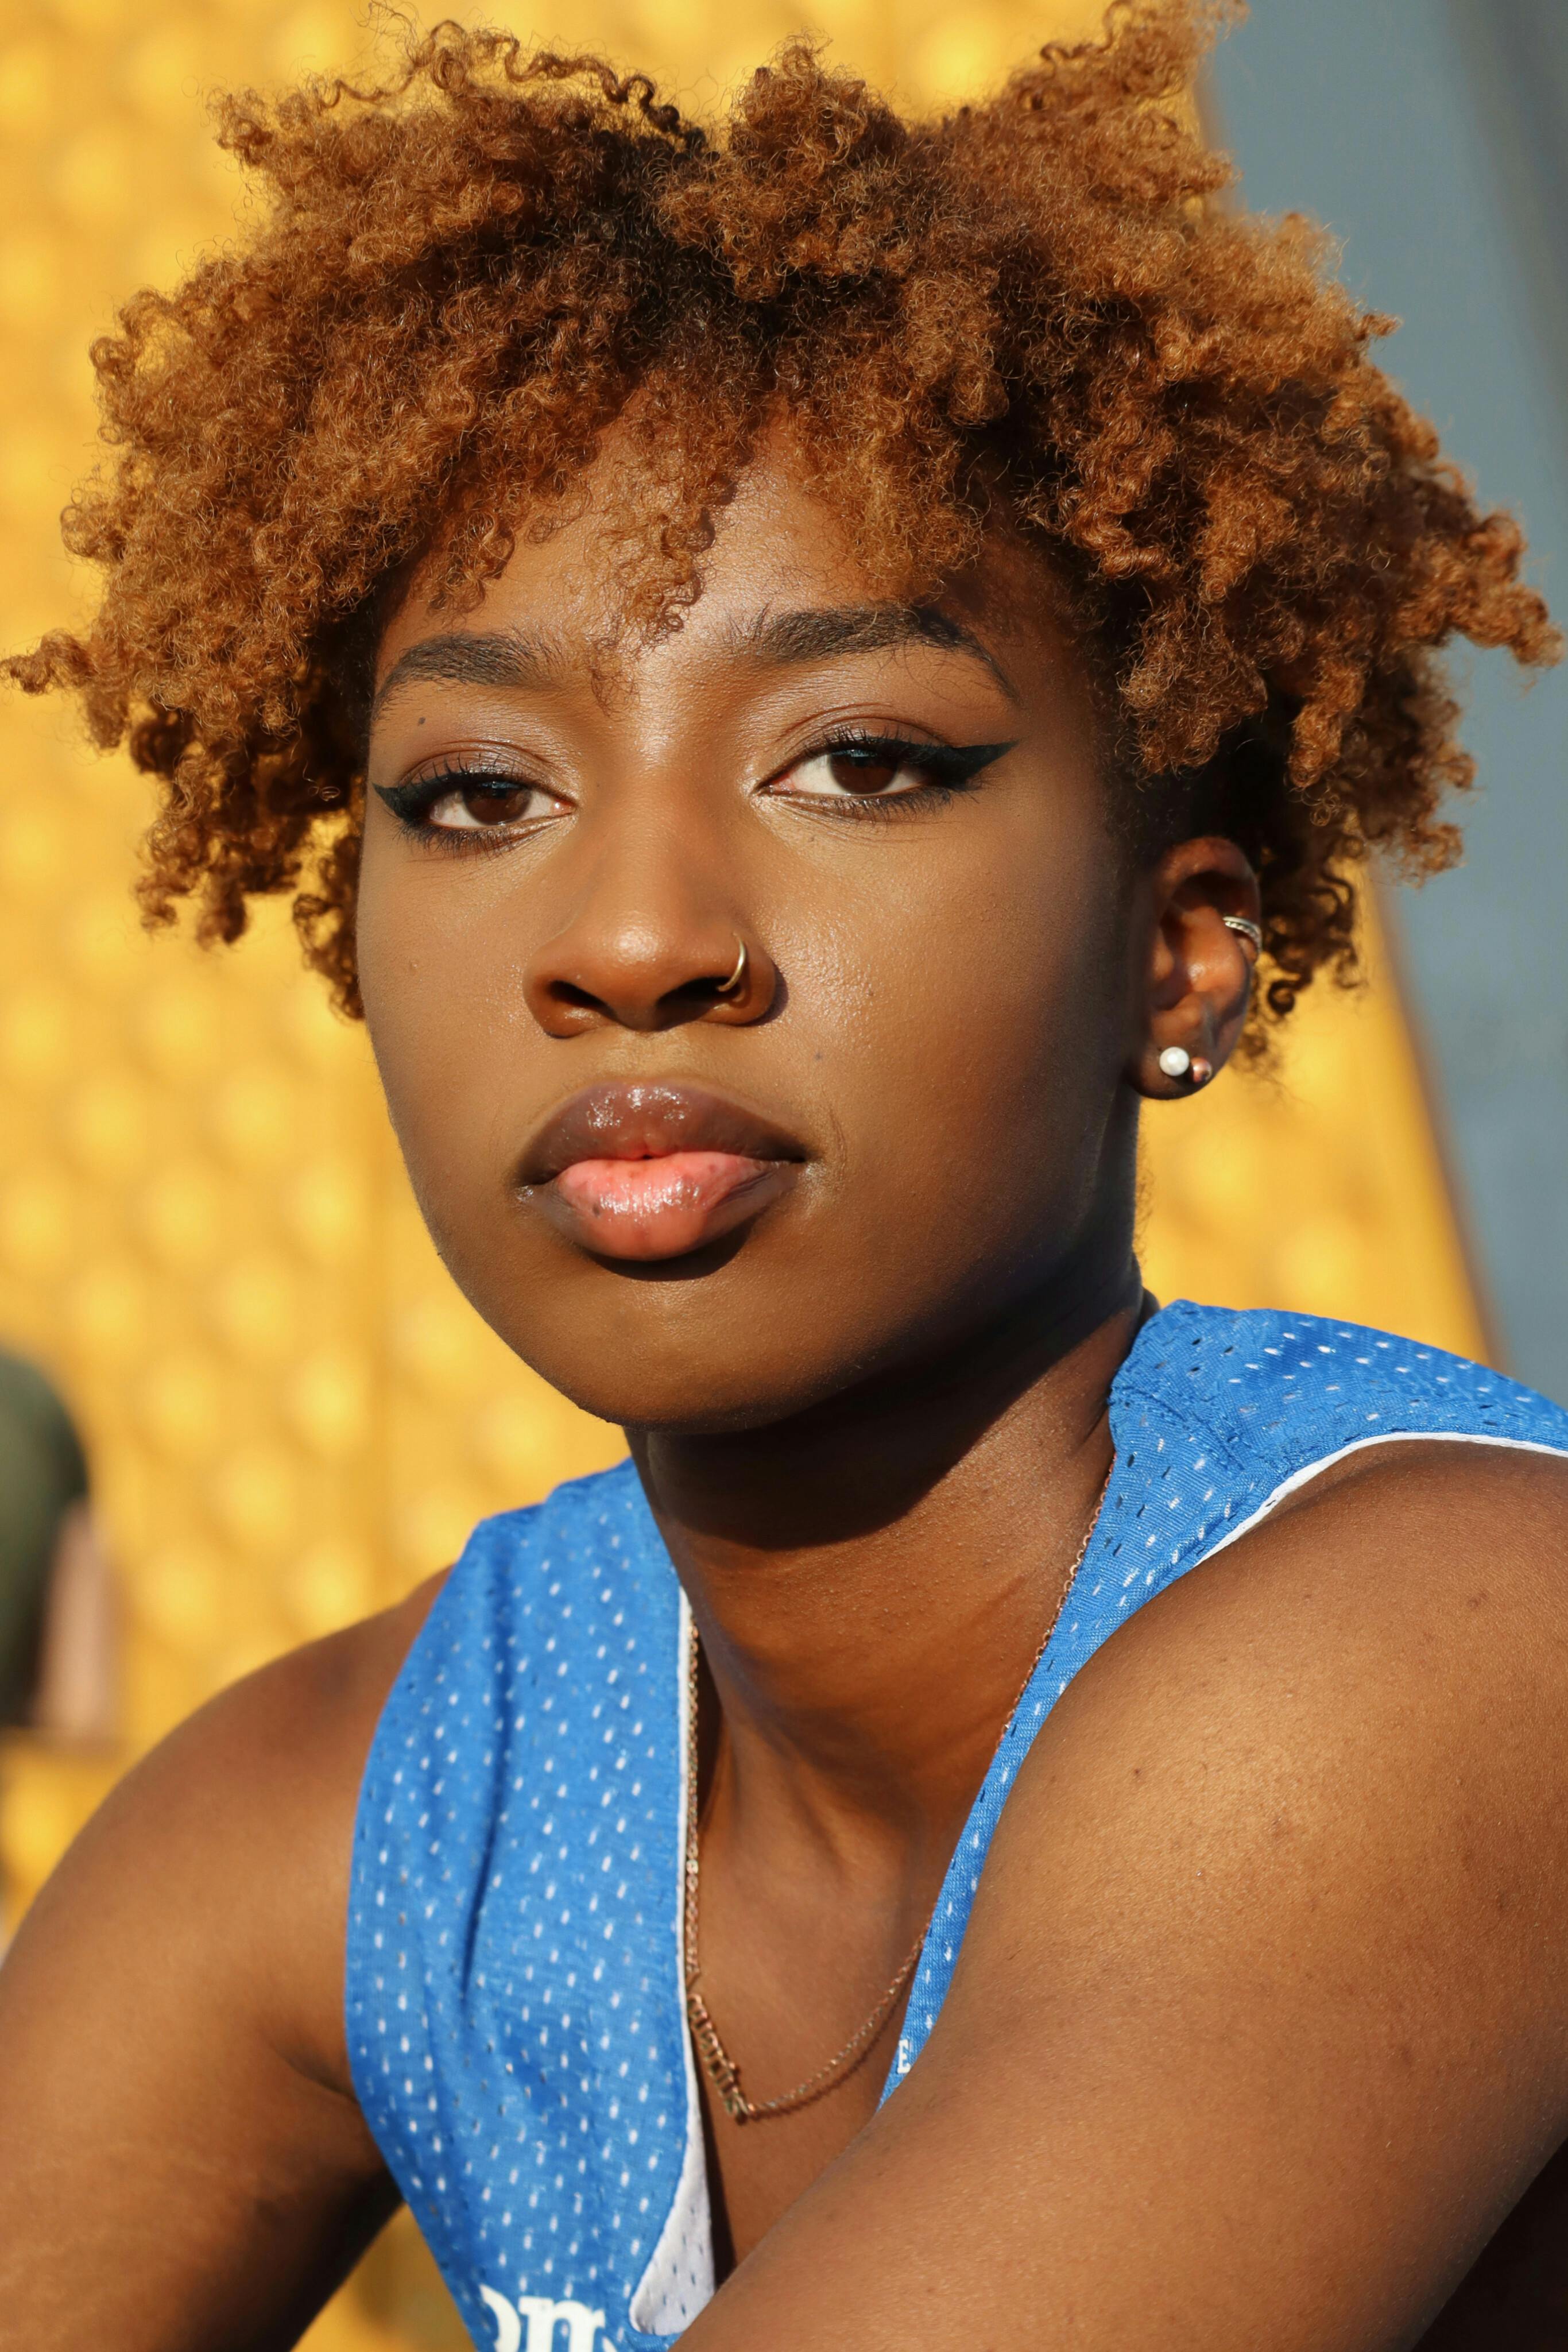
(856, 771)
(489, 804)
(492, 806)
(864, 772)
(891, 769)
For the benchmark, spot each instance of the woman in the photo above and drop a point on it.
(796, 676)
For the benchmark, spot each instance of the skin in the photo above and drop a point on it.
(1258, 2035)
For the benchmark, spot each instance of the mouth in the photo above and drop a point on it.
(656, 1171)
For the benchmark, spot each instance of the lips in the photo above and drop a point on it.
(648, 1171)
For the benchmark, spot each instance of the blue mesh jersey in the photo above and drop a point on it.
(515, 2019)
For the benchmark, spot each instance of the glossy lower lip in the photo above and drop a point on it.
(664, 1206)
(657, 1170)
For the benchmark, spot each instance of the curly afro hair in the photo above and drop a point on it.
(1039, 307)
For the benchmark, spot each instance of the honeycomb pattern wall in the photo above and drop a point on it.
(205, 1230)
(1318, 1185)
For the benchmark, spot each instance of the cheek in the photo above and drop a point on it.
(980, 1010)
(393, 987)
(431, 1000)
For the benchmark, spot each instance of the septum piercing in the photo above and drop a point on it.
(1246, 927)
(737, 981)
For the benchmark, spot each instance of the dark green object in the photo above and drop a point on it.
(43, 1472)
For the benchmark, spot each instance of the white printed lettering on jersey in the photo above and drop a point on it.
(540, 2314)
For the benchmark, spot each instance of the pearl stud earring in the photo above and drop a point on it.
(1177, 1062)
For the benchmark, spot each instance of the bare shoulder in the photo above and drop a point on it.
(1420, 1504)
(1416, 1589)
(1407, 1568)
(182, 2164)
(1357, 1712)
(1391, 1562)
(243, 1817)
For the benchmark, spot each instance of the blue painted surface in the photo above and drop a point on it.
(1367, 115)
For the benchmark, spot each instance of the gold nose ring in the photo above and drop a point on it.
(737, 981)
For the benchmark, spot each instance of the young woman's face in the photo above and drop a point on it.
(699, 1189)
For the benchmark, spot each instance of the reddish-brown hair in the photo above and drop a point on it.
(1038, 306)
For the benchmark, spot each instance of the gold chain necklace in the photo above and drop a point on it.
(717, 2064)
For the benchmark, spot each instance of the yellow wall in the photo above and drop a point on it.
(204, 1227)
(1318, 1186)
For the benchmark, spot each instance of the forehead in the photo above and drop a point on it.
(783, 571)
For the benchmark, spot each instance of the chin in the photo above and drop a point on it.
(758, 1329)
(674, 1385)
(648, 1351)
(685, 1399)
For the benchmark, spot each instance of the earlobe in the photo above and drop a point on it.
(1176, 1062)
(1167, 1073)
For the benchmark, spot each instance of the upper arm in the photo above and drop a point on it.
(182, 2167)
(1259, 2028)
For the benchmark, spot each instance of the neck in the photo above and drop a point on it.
(840, 1564)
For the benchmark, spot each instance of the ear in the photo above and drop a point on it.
(1198, 980)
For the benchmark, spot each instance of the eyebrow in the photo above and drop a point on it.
(465, 657)
(827, 633)
(509, 658)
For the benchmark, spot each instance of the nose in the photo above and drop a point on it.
(649, 947)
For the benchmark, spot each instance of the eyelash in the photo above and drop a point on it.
(412, 803)
(949, 767)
